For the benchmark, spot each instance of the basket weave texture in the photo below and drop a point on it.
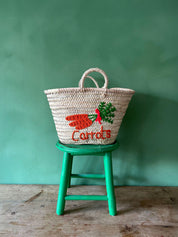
(88, 115)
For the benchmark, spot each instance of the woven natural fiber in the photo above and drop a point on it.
(78, 101)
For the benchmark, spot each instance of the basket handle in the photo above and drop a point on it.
(85, 74)
(91, 79)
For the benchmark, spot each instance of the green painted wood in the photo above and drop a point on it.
(87, 197)
(63, 184)
(109, 184)
(87, 149)
(86, 153)
(66, 176)
(88, 176)
(70, 170)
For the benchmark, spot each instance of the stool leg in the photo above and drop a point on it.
(70, 170)
(63, 184)
(109, 183)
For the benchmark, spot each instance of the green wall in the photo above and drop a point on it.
(49, 44)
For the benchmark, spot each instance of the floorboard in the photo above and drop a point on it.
(29, 210)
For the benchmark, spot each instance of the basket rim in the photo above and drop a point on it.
(95, 90)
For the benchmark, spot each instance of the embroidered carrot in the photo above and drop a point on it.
(76, 117)
(80, 121)
(84, 124)
(104, 112)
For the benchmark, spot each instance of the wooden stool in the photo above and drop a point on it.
(78, 150)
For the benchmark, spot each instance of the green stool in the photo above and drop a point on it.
(66, 175)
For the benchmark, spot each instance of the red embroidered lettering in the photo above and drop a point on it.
(87, 135)
(98, 137)
(108, 133)
(82, 136)
(91, 133)
(73, 136)
(102, 133)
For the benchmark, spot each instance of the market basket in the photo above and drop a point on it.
(88, 115)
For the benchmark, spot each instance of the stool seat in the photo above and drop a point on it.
(70, 151)
(86, 149)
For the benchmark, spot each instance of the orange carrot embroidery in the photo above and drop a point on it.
(104, 112)
(76, 117)
(81, 123)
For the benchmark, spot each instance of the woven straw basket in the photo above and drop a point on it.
(88, 115)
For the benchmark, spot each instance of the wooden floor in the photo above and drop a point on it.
(29, 210)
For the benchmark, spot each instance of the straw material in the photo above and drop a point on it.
(85, 115)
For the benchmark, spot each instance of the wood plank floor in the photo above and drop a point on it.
(29, 210)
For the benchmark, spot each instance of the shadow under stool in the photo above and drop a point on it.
(66, 174)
